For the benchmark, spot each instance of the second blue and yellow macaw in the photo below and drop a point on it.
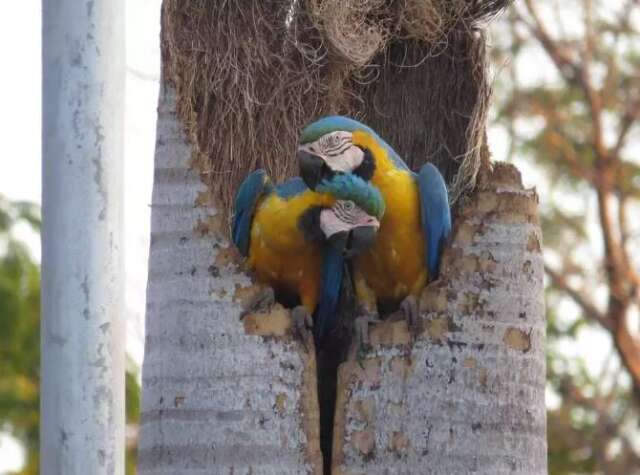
(417, 221)
(296, 240)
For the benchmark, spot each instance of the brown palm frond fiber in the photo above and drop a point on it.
(443, 120)
(251, 74)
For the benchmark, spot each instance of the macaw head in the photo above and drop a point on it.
(348, 228)
(337, 144)
(351, 224)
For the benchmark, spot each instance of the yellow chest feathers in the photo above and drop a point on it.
(279, 253)
(395, 267)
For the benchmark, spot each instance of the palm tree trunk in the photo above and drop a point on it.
(225, 396)
(216, 398)
(468, 394)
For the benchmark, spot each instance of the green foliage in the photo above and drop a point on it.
(132, 396)
(20, 338)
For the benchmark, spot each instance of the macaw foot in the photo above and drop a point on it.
(261, 302)
(361, 327)
(409, 307)
(302, 324)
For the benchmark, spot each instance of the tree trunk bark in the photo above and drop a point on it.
(220, 395)
(468, 394)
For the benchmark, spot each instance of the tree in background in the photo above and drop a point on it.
(20, 334)
(579, 124)
(20, 340)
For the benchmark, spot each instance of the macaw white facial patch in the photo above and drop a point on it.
(344, 216)
(330, 224)
(337, 151)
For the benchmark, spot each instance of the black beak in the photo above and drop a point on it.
(339, 241)
(361, 239)
(354, 242)
(311, 168)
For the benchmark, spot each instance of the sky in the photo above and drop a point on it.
(20, 139)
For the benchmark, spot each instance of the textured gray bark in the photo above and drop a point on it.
(216, 399)
(467, 396)
(225, 396)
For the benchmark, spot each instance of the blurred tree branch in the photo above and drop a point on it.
(581, 126)
(579, 298)
(574, 63)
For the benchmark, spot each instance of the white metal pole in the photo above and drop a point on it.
(82, 399)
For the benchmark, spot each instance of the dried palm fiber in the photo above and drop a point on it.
(358, 29)
(251, 74)
(354, 30)
(429, 93)
(432, 20)
(431, 106)
(245, 87)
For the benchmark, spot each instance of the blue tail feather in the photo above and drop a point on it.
(331, 280)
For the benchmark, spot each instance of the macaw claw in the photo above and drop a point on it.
(260, 302)
(361, 327)
(303, 323)
(409, 307)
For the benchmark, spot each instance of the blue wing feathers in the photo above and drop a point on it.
(330, 284)
(435, 214)
(247, 197)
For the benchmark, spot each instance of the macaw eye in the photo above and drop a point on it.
(349, 206)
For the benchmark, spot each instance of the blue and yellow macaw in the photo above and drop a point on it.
(296, 240)
(417, 221)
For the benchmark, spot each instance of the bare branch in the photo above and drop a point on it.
(614, 321)
(622, 219)
(630, 116)
(628, 347)
(570, 156)
(574, 73)
(589, 309)
(560, 57)
(589, 36)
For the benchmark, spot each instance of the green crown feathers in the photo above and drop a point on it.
(346, 186)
